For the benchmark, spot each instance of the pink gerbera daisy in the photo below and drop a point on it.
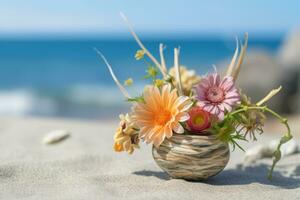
(217, 96)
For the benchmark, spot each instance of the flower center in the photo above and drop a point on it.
(118, 147)
(198, 120)
(163, 117)
(215, 94)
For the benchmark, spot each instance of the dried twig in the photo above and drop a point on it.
(177, 70)
(269, 96)
(123, 90)
(236, 71)
(162, 58)
(142, 46)
(233, 60)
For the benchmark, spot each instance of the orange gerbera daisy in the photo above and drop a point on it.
(160, 114)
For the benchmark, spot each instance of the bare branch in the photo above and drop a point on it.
(177, 70)
(162, 58)
(233, 60)
(123, 90)
(141, 44)
(241, 58)
(269, 96)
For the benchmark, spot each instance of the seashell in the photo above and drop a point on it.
(191, 157)
(287, 149)
(266, 151)
(56, 136)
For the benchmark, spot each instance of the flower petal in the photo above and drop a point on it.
(221, 116)
(158, 139)
(180, 100)
(168, 131)
(227, 83)
(227, 107)
(211, 80)
(183, 117)
(204, 83)
(217, 79)
(177, 128)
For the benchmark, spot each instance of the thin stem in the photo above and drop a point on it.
(142, 45)
(288, 136)
(269, 96)
(285, 138)
(147, 63)
(162, 58)
(237, 69)
(233, 60)
(122, 89)
(177, 69)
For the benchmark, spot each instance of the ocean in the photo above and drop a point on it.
(65, 78)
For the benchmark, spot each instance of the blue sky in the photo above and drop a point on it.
(174, 16)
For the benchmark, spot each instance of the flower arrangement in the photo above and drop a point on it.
(178, 101)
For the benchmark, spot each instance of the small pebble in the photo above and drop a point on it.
(56, 136)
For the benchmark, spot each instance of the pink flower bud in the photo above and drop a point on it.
(199, 120)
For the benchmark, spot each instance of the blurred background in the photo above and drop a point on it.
(48, 66)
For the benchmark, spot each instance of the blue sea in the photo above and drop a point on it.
(65, 78)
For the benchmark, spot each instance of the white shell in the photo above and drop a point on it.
(266, 151)
(289, 148)
(56, 136)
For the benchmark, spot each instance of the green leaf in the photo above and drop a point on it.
(139, 99)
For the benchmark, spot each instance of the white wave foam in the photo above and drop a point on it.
(24, 102)
(101, 95)
(96, 95)
(77, 101)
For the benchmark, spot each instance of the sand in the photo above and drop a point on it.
(85, 167)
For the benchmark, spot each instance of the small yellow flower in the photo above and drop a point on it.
(152, 72)
(158, 83)
(117, 146)
(128, 82)
(139, 54)
(126, 137)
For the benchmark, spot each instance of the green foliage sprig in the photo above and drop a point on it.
(226, 132)
(285, 138)
(139, 99)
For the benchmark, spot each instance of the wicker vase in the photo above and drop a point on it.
(192, 157)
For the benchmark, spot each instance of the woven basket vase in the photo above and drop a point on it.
(192, 157)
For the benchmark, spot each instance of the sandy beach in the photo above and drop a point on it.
(85, 167)
(82, 83)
